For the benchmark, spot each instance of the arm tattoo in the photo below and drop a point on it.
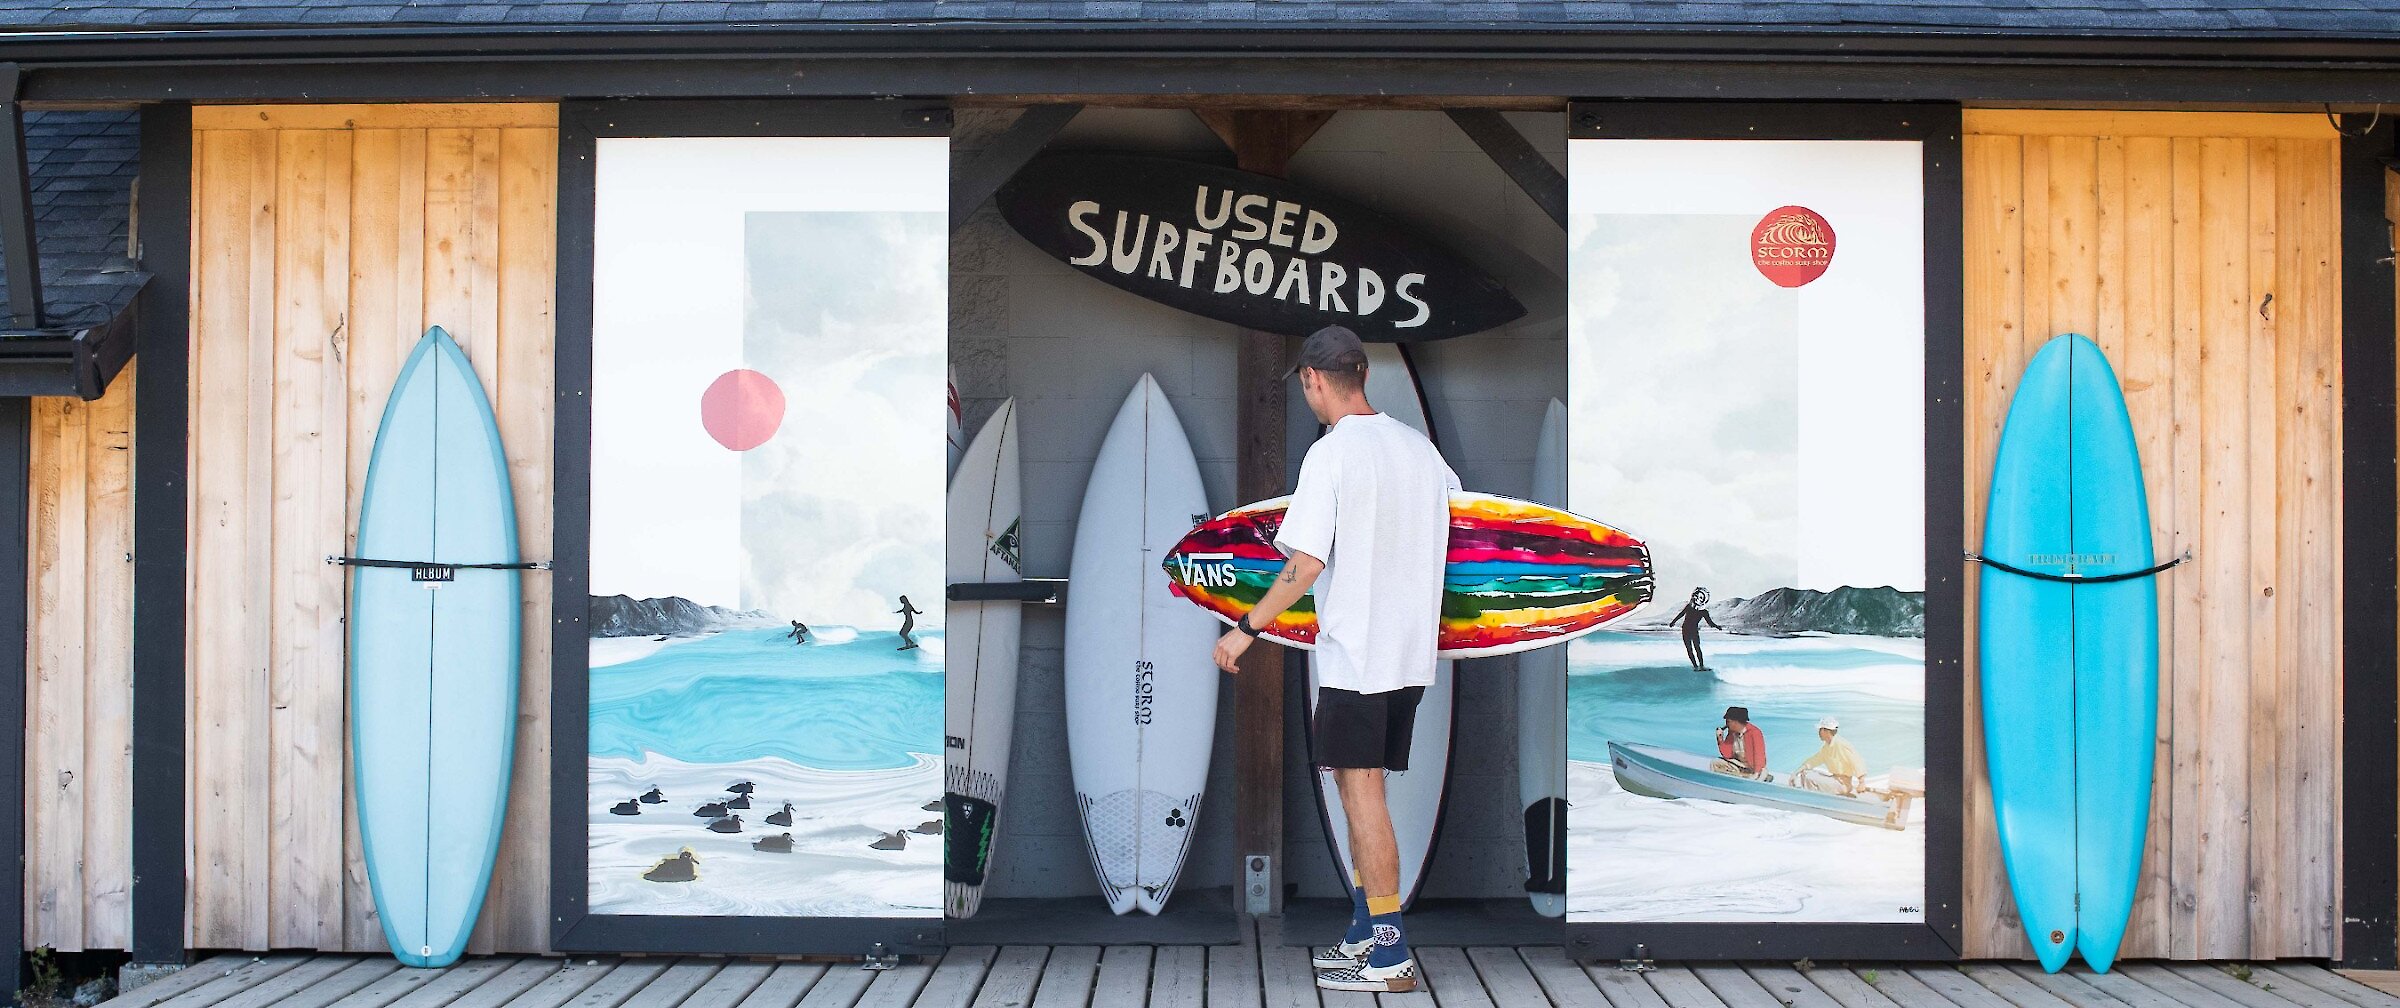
(1290, 575)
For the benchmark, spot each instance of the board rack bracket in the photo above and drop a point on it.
(432, 574)
(879, 958)
(1258, 884)
(1639, 961)
(1031, 591)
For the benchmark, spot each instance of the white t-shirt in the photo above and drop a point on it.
(1374, 504)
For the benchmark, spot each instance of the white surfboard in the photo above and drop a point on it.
(956, 426)
(1415, 796)
(980, 683)
(1141, 686)
(1542, 711)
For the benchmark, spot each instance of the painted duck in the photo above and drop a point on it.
(927, 828)
(710, 811)
(626, 807)
(781, 844)
(729, 824)
(683, 867)
(891, 841)
(739, 802)
(783, 818)
(653, 797)
(740, 787)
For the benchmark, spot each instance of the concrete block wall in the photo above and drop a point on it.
(1069, 348)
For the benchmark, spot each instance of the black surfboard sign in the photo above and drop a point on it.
(1248, 249)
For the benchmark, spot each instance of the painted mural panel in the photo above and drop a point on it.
(769, 347)
(1746, 383)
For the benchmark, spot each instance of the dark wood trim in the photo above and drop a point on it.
(1274, 78)
(1937, 126)
(1542, 181)
(16, 496)
(973, 185)
(161, 409)
(2370, 896)
(574, 928)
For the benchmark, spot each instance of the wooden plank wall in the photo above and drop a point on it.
(79, 693)
(2200, 251)
(326, 239)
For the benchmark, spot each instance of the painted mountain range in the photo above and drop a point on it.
(626, 616)
(1880, 612)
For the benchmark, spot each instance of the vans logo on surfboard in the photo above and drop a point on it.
(1204, 570)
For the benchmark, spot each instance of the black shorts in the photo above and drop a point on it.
(1357, 731)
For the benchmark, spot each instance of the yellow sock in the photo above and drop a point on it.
(1378, 906)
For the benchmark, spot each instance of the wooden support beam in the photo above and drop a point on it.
(1515, 155)
(16, 489)
(1262, 141)
(2370, 489)
(974, 184)
(19, 253)
(161, 419)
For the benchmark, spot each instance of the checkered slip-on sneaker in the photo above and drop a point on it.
(1342, 956)
(1399, 978)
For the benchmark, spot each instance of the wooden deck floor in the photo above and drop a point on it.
(1250, 975)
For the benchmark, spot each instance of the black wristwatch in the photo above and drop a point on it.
(1244, 626)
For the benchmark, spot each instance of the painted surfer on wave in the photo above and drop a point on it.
(1379, 492)
(1689, 618)
(799, 632)
(908, 623)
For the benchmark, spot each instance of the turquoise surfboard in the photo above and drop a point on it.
(433, 663)
(2069, 670)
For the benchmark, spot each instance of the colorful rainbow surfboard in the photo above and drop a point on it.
(1521, 576)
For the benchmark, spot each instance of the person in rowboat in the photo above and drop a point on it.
(1836, 768)
(1741, 747)
(1369, 524)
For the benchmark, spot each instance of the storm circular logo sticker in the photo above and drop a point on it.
(1792, 245)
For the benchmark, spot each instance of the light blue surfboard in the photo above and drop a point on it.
(433, 664)
(2069, 671)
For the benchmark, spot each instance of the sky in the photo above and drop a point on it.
(819, 262)
(1755, 436)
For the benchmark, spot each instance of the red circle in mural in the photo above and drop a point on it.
(1792, 245)
(741, 409)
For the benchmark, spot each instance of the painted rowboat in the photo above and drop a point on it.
(1659, 772)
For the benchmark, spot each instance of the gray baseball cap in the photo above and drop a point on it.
(1333, 348)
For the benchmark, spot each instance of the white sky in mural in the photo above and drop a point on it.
(1692, 429)
(674, 219)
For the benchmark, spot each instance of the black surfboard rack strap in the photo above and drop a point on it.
(1032, 591)
(428, 571)
(2081, 578)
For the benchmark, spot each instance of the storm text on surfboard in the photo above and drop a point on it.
(1144, 680)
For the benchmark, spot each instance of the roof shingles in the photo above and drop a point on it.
(83, 170)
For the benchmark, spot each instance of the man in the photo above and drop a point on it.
(1836, 768)
(1741, 747)
(1369, 526)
